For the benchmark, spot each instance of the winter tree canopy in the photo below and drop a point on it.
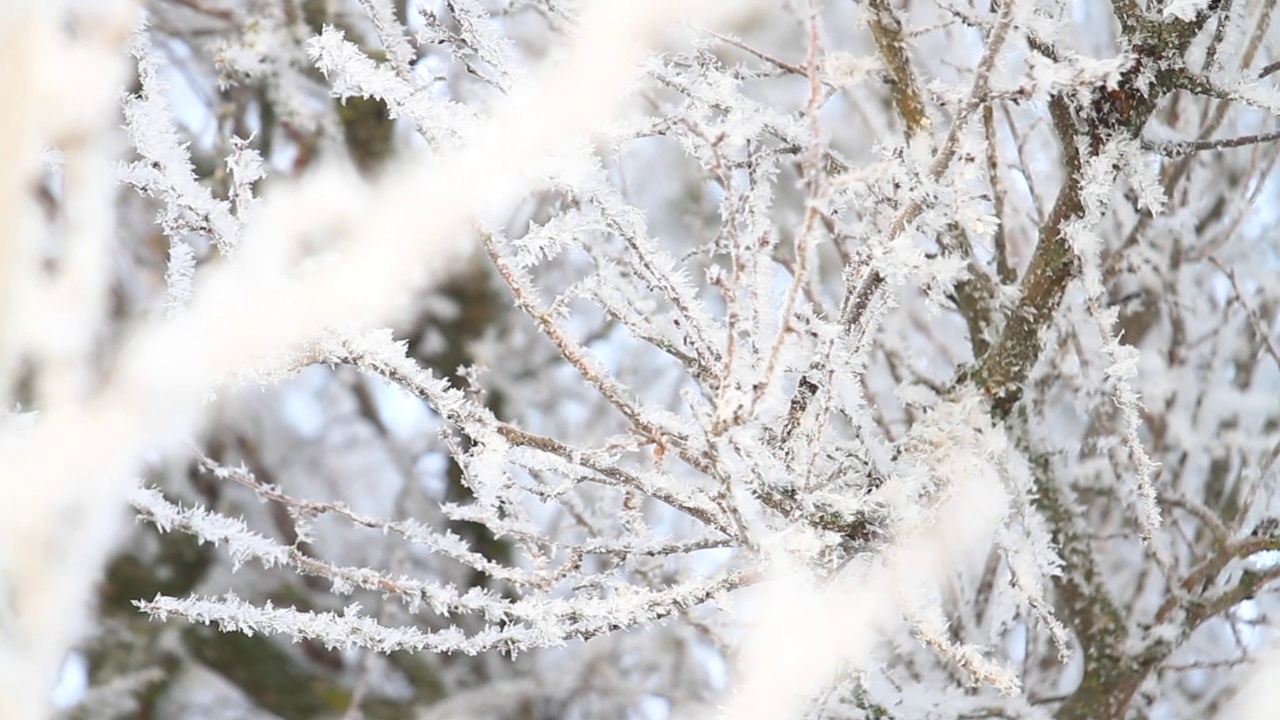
(639, 359)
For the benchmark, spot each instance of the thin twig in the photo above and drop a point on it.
(1181, 148)
(1259, 328)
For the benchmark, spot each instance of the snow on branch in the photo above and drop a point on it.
(242, 315)
(242, 543)
(514, 627)
(165, 171)
(352, 73)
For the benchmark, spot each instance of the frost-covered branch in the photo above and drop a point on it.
(703, 383)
